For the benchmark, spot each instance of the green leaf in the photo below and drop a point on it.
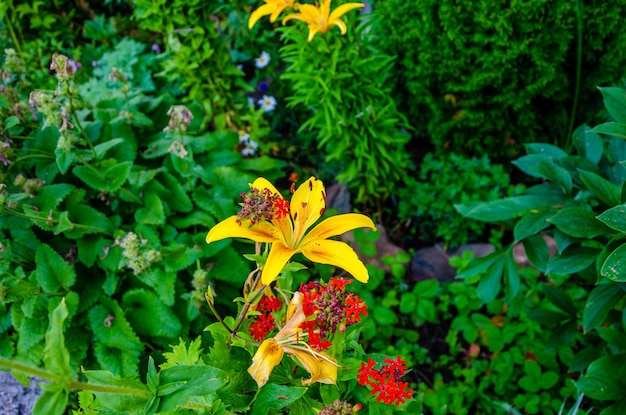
(613, 336)
(52, 271)
(111, 179)
(131, 400)
(537, 251)
(273, 396)
(177, 198)
(183, 355)
(91, 219)
(162, 282)
(178, 256)
(572, 260)
(153, 213)
(384, 316)
(618, 408)
(552, 172)
(53, 401)
(604, 378)
(549, 150)
(614, 267)
(561, 300)
(614, 129)
(532, 223)
(102, 148)
(49, 197)
(511, 275)
(588, 143)
(148, 315)
(606, 191)
(408, 303)
(579, 223)
(615, 218)
(489, 285)
(615, 102)
(601, 300)
(478, 265)
(56, 356)
(195, 381)
(498, 210)
(64, 159)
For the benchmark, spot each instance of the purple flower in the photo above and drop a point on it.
(156, 48)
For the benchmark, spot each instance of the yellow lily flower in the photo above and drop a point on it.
(320, 19)
(272, 7)
(321, 366)
(286, 229)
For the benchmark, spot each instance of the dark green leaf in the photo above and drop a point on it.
(176, 197)
(545, 148)
(579, 223)
(604, 380)
(148, 315)
(556, 174)
(52, 271)
(614, 267)
(601, 300)
(548, 317)
(615, 102)
(532, 223)
(615, 218)
(512, 278)
(489, 285)
(611, 128)
(572, 260)
(560, 299)
(153, 213)
(588, 143)
(503, 209)
(618, 408)
(384, 316)
(537, 251)
(613, 336)
(606, 191)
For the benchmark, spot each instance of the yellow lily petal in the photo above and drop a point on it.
(262, 183)
(230, 228)
(343, 9)
(336, 225)
(294, 318)
(276, 260)
(266, 358)
(263, 10)
(307, 204)
(338, 254)
(323, 369)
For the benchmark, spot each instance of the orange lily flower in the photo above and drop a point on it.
(288, 230)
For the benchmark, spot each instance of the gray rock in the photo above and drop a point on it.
(431, 263)
(338, 197)
(15, 398)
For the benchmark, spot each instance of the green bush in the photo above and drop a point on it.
(426, 203)
(487, 77)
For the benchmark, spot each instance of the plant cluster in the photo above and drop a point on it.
(580, 205)
(488, 79)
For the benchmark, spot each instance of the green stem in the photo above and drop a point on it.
(579, 60)
(28, 369)
(36, 218)
(84, 134)
(12, 33)
(142, 393)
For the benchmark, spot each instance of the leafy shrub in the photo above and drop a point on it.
(580, 204)
(426, 202)
(487, 78)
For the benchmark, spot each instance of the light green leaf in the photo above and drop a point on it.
(56, 357)
(194, 381)
(131, 402)
(53, 401)
(102, 148)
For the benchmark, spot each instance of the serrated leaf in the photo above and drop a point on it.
(579, 223)
(111, 179)
(178, 256)
(52, 271)
(90, 247)
(153, 212)
(90, 219)
(614, 266)
(148, 315)
(162, 282)
(64, 159)
(183, 355)
(49, 197)
(194, 381)
(615, 218)
(131, 402)
(177, 198)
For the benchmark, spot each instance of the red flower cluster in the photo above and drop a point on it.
(265, 321)
(261, 206)
(332, 308)
(386, 381)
